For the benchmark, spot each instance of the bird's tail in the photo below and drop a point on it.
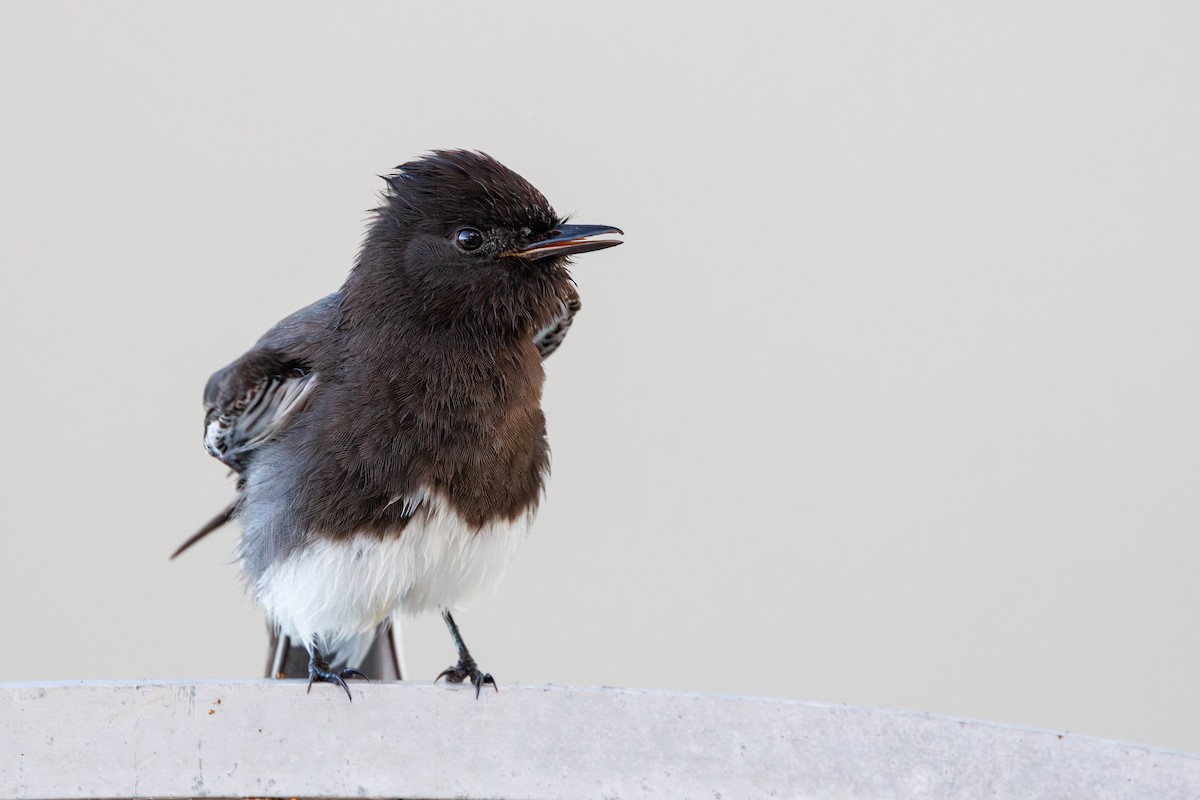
(209, 527)
(287, 658)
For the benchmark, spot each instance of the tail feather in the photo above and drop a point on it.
(287, 658)
(209, 527)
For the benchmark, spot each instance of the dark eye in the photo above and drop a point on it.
(469, 239)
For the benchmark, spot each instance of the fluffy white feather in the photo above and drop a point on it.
(337, 593)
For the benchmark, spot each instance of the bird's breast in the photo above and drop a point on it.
(466, 427)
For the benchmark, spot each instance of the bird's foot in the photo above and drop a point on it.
(467, 670)
(319, 672)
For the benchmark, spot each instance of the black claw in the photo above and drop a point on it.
(480, 679)
(318, 671)
(466, 667)
(463, 671)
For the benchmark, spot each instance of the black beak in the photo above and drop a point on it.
(570, 239)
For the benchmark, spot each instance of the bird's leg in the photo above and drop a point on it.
(466, 668)
(318, 670)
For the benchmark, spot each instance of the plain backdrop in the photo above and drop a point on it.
(890, 398)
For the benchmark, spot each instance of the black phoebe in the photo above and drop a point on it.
(389, 439)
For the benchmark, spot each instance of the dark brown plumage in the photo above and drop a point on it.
(412, 396)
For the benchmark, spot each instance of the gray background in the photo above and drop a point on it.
(889, 399)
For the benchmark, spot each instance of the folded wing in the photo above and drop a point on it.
(553, 332)
(253, 399)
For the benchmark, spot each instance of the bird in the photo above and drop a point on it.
(388, 440)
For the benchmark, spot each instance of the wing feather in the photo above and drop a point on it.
(232, 435)
(250, 401)
(553, 332)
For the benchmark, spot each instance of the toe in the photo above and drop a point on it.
(451, 674)
(328, 677)
(482, 678)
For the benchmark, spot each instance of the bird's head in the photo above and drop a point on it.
(462, 239)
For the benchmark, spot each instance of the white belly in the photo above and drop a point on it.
(336, 594)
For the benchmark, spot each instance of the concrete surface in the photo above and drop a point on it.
(268, 738)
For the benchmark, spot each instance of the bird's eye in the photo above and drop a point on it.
(469, 239)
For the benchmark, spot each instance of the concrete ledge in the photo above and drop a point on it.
(267, 738)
